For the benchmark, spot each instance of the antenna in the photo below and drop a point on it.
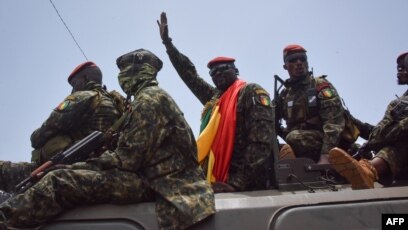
(62, 20)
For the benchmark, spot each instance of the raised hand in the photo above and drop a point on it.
(164, 29)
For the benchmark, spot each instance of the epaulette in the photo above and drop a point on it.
(324, 88)
(261, 91)
(262, 96)
(77, 96)
(321, 83)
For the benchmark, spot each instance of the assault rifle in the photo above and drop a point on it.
(276, 90)
(80, 151)
(273, 159)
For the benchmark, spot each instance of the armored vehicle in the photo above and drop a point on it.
(303, 196)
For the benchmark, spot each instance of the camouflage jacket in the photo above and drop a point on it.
(254, 124)
(312, 104)
(158, 145)
(78, 115)
(394, 125)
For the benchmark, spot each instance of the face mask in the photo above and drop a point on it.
(133, 77)
(125, 79)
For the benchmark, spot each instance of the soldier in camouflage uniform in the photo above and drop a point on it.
(251, 145)
(387, 139)
(311, 108)
(155, 160)
(90, 107)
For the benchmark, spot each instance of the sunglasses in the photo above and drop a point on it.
(220, 68)
(401, 68)
(294, 58)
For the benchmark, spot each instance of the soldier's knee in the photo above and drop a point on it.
(293, 138)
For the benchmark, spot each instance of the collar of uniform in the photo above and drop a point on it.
(92, 85)
(301, 82)
(406, 93)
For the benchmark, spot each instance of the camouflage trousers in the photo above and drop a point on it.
(306, 143)
(63, 189)
(397, 158)
(13, 173)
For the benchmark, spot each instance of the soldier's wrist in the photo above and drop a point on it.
(167, 41)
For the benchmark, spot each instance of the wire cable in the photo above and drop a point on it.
(62, 20)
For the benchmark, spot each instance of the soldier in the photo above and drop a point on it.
(387, 139)
(237, 124)
(155, 160)
(90, 107)
(312, 110)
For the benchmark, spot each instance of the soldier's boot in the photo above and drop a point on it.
(361, 174)
(286, 152)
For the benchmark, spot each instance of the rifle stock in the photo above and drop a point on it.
(80, 151)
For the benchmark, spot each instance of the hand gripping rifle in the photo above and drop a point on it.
(80, 151)
(90, 146)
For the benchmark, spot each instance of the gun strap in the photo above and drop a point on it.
(119, 122)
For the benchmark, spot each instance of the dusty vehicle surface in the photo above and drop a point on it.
(289, 205)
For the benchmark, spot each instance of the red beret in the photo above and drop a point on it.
(401, 56)
(292, 49)
(81, 67)
(218, 60)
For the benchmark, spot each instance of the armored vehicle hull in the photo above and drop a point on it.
(268, 209)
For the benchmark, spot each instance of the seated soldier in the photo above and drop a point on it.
(312, 110)
(387, 139)
(88, 108)
(235, 142)
(155, 160)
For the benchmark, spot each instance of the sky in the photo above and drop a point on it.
(354, 42)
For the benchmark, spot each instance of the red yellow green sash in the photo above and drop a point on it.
(216, 141)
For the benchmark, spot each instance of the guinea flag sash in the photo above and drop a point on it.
(216, 141)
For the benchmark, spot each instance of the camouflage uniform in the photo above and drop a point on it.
(77, 116)
(254, 124)
(12, 173)
(388, 139)
(155, 160)
(314, 116)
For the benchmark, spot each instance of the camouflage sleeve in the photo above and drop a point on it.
(258, 128)
(398, 132)
(331, 113)
(188, 73)
(364, 127)
(13, 173)
(144, 133)
(389, 130)
(63, 118)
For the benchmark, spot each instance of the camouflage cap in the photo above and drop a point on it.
(218, 60)
(293, 48)
(401, 56)
(81, 67)
(140, 56)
